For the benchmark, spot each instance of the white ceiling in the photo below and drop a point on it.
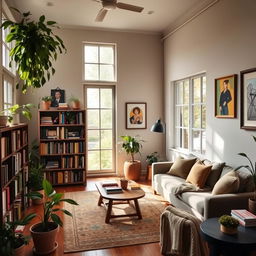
(83, 12)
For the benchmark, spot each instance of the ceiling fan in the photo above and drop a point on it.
(108, 5)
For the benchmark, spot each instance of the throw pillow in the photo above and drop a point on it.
(198, 174)
(181, 167)
(229, 183)
(246, 181)
(214, 173)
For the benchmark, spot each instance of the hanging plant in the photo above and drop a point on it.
(36, 48)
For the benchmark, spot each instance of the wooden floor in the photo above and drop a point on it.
(152, 249)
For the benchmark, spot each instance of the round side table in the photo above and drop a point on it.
(240, 244)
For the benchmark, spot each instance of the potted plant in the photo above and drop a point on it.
(70, 117)
(132, 146)
(46, 102)
(228, 224)
(3, 119)
(252, 169)
(44, 233)
(150, 159)
(74, 102)
(11, 242)
(16, 109)
(35, 49)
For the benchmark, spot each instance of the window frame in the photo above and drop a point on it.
(98, 44)
(190, 106)
(107, 171)
(10, 80)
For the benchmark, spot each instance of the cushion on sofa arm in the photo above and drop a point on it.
(181, 167)
(161, 167)
(246, 181)
(229, 183)
(214, 173)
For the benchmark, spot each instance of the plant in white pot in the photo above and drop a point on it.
(132, 146)
(252, 169)
(74, 102)
(44, 233)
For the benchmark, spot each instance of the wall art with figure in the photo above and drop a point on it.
(58, 96)
(136, 115)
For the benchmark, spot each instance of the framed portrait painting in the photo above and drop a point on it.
(136, 115)
(248, 99)
(58, 96)
(226, 96)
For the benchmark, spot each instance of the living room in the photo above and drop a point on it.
(167, 62)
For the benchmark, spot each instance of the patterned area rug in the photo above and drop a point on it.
(87, 229)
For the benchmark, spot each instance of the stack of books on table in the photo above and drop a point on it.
(63, 106)
(109, 183)
(46, 120)
(113, 190)
(244, 217)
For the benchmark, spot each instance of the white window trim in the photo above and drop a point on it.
(99, 82)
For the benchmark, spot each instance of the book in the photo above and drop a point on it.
(135, 186)
(242, 222)
(109, 183)
(245, 216)
(113, 190)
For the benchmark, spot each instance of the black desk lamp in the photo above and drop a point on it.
(158, 126)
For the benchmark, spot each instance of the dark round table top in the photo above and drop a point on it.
(210, 229)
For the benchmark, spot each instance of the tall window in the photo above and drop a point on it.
(99, 62)
(190, 114)
(100, 129)
(8, 93)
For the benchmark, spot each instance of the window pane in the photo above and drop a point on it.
(93, 160)
(186, 92)
(179, 94)
(204, 89)
(106, 139)
(91, 54)
(106, 119)
(92, 98)
(185, 116)
(106, 54)
(196, 90)
(185, 138)
(178, 116)
(106, 98)
(93, 139)
(10, 93)
(5, 91)
(106, 159)
(196, 141)
(203, 116)
(106, 72)
(203, 142)
(197, 116)
(93, 119)
(91, 72)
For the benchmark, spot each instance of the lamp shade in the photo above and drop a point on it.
(158, 126)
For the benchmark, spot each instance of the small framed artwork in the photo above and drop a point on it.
(136, 115)
(58, 96)
(248, 99)
(226, 96)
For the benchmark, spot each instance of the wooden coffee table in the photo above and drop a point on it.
(125, 197)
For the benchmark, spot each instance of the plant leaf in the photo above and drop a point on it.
(70, 201)
(56, 219)
(47, 186)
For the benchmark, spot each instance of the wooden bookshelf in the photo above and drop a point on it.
(62, 145)
(14, 171)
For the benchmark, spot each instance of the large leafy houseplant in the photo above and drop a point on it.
(35, 49)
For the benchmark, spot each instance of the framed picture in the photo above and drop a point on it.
(248, 99)
(136, 115)
(226, 96)
(58, 96)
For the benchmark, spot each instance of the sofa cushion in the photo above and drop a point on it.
(229, 183)
(226, 169)
(195, 200)
(214, 173)
(198, 174)
(181, 167)
(246, 181)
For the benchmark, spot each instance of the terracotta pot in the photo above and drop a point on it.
(229, 231)
(132, 170)
(45, 105)
(44, 242)
(20, 251)
(149, 172)
(252, 205)
(75, 104)
(38, 201)
(3, 120)
(124, 183)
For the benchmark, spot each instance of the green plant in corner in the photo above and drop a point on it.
(47, 98)
(73, 99)
(35, 49)
(131, 145)
(152, 158)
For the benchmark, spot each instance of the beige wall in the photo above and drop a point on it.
(139, 78)
(221, 41)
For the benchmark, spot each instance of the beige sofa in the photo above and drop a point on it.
(203, 205)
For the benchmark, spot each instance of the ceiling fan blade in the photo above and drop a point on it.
(101, 15)
(129, 7)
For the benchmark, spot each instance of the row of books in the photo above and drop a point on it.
(46, 120)
(244, 217)
(16, 140)
(66, 162)
(61, 148)
(78, 117)
(15, 213)
(64, 177)
(5, 147)
(61, 133)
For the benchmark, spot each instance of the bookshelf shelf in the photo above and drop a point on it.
(14, 171)
(63, 155)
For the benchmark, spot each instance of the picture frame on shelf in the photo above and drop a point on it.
(136, 115)
(58, 96)
(248, 99)
(226, 96)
